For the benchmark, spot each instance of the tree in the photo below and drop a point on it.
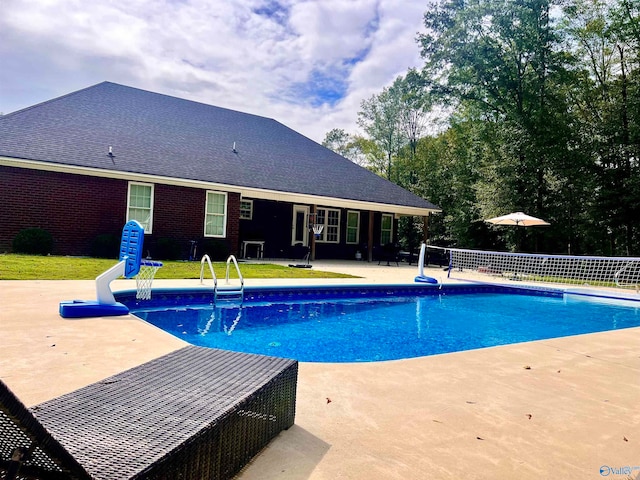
(338, 141)
(601, 35)
(346, 145)
(499, 63)
(544, 118)
(379, 117)
(414, 107)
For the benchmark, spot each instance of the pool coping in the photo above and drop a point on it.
(205, 295)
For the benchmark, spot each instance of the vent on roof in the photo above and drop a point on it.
(234, 148)
(111, 155)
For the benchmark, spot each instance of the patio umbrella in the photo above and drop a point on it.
(519, 219)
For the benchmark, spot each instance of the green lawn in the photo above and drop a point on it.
(31, 267)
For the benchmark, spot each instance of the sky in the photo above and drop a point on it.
(306, 63)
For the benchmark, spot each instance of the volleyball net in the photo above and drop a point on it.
(623, 272)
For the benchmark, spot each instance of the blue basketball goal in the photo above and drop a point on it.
(130, 264)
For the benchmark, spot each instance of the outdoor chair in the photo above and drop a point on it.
(437, 257)
(389, 253)
(196, 413)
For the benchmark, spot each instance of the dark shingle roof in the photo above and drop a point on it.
(161, 135)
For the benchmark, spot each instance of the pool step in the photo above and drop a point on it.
(229, 293)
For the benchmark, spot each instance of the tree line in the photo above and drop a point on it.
(521, 105)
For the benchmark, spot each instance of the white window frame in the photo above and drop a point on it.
(224, 214)
(326, 226)
(148, 226)
(304, 228)
(250, 202)
(383, 230)
(357, 228)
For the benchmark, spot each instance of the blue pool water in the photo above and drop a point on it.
(384, 323)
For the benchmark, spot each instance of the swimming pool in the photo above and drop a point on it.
(376, 323)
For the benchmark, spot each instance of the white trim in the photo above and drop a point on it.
(325, 230)
(250, 217)
(346, 233)
(224, 215)
(263, 194)
(384, 230)
(148, 230)
(305, 227)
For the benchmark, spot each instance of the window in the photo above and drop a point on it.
(215, 215)
(386, 229)
(140, 204)
(353, 227)
(329, 218)
(246, 209)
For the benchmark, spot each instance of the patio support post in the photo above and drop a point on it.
(312, 240)
(370, 239)
(425, 228)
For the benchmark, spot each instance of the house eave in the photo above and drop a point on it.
(249, 192)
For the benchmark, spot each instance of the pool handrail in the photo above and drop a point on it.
(235, 262)
(627, 266)
(207, 259)
(231, 291)
(225, 291)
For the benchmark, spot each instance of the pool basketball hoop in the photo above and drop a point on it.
(130, 264)
(144, 278)
(314, 226)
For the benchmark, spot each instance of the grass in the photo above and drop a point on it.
(33, 267)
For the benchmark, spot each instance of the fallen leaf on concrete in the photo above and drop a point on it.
(625, 439)
(529, 416)
(527, 367)
(479, 438)
(328, 400)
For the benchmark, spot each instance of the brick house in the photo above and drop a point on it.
(81, 165)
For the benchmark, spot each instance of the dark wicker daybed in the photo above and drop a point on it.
(196, 413)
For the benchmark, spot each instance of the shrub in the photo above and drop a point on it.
(167, 249)
(106, 245)
(218, 250)
(33, 241)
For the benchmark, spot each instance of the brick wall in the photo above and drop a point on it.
(73, 208)
(179, 214)
(77, 208)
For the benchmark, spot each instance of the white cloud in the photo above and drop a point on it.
(257, 56)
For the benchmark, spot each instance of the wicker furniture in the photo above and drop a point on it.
(196, 413)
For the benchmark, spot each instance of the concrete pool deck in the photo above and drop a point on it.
(560, 408)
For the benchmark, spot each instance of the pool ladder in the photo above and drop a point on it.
(227, 291)
(626, 275)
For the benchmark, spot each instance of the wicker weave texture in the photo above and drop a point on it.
(195, 413)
